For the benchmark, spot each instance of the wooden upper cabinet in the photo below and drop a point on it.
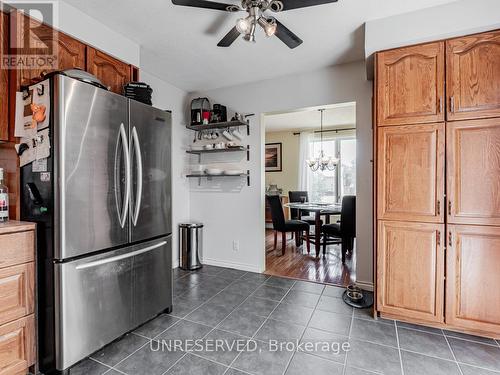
(4, 79)
(112, 72)
(473, 76)
(410, 85)
(410, 270)
(411, 173)
(69, 53)
(473, 172)
(473, 261)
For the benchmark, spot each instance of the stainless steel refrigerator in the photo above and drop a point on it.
(103, 209)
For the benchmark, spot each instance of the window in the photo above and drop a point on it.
(330, 186)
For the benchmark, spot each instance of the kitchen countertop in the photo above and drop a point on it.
(16, 226)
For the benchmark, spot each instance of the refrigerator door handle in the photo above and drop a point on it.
(122, 216)
(120, 257)
(138, 156)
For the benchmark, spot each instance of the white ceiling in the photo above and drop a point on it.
(182, 41)
(337, 116)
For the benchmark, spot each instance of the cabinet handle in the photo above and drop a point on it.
(450, 240)
(452, 104)
(440, 105)
(449, 207)
(439, 238)
(438, 207)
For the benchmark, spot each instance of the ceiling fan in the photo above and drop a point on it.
(256, 16)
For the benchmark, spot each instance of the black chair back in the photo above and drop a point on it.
(296, 197)
(348, 216)
(277, 213)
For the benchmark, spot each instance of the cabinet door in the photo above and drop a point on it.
(16, 292)
(473, 76)
(112, 72)
(4, 79)
(410, 270)
(411, 173)
(17, 346)
(473, 169)
(410, 85)
(473, 261)
(69, 52)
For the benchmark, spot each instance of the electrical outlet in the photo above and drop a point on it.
(236, 245)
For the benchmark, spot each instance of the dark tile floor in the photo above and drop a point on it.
(240, 307)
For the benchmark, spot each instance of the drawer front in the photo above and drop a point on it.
(17, 248)
(17, 346)
(16, 292)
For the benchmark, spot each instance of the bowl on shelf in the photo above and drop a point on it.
(234, 172)
(213, 171)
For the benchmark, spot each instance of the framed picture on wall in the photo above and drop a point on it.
(273, 157)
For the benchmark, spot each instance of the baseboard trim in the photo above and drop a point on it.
(365, 285)
(234, 265)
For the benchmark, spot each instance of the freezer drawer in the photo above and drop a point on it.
(102, 297)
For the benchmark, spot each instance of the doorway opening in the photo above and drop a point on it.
(310, 179)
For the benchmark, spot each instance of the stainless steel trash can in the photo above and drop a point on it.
(190, 246)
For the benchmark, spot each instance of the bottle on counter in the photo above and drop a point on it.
(4, 199)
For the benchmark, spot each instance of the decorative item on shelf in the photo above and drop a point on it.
(322, 162)
(200, 109)
(219, 113)
(240, 117)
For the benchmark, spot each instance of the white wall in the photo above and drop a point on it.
(230, 215)
(441, 22)
(288, 178)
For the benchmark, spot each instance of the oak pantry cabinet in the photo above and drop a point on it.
(437, 160)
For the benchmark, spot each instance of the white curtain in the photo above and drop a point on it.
(305, 139)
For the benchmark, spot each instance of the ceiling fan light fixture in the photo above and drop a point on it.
(244, 25)
(268, 25)
(249, 38)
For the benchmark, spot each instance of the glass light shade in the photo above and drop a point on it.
(243, 25)
(269, 26)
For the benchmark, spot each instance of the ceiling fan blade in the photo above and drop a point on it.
(206, 5)
(294, 4)
(286, 36)
(229, 38)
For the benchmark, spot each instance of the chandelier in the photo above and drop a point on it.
(322, 162)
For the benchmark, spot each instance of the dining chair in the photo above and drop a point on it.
(345, 230)
(285, 226)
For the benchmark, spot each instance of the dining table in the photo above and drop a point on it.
(319, 209)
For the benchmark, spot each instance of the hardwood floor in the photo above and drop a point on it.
(297, 264)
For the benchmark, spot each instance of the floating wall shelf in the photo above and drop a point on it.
(216, 151)
(211, 176)
(220, 125)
